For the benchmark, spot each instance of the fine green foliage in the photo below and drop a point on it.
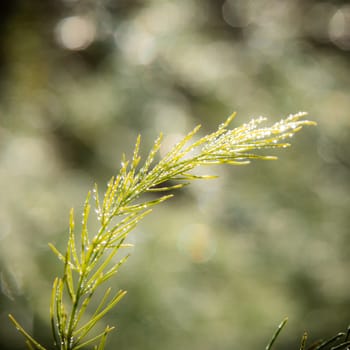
(276, 334)
(90, 261)
(339, 341)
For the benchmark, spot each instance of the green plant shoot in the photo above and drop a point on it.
(89, 261)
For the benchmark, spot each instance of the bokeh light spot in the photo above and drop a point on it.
(339, 28)
(137, 43)
(75, 33)
(236, 13)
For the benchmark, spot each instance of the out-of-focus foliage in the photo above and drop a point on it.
(79, 81)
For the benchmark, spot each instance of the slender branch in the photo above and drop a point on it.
(87, 268)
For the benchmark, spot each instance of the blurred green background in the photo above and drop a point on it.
(219, 266)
